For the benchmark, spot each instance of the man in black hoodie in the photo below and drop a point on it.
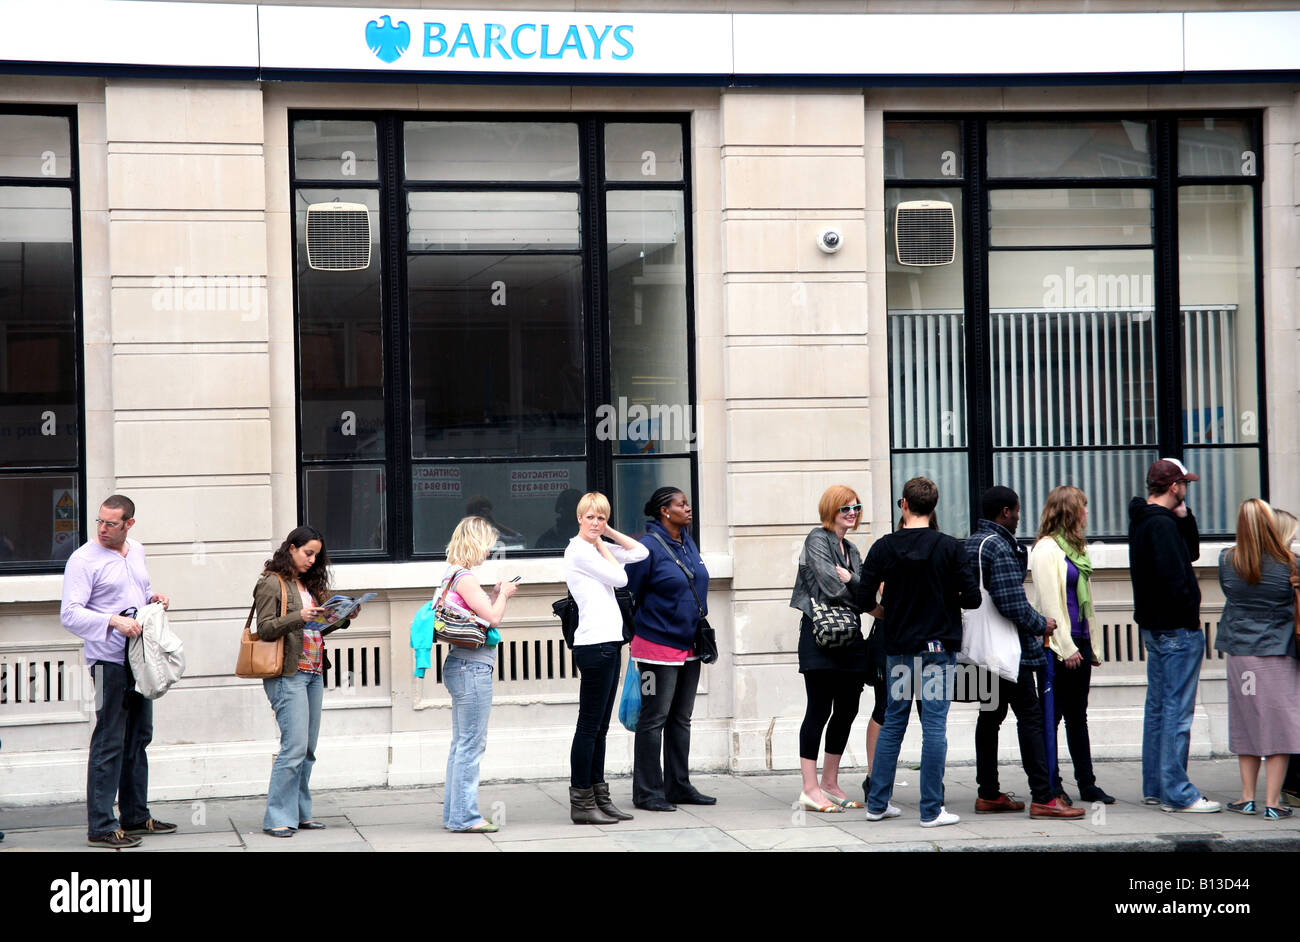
(1163, 542)
(927, 582)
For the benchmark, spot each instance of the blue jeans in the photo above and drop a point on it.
(296, 700)
(933, 696)
(1173, 670)
(470, 686)
(599, 665)
(118, 764)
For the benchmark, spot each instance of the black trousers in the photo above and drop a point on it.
(598, 665)
(833, 698)
(1070, 695)
(118, 765)
(667, 700)
(1024, 699)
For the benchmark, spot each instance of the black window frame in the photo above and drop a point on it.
(1164, 183)
(72, 182)
(393, 187)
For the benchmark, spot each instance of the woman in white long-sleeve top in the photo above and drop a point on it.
(593, 569)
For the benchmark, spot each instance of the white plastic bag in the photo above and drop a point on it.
(988, 638)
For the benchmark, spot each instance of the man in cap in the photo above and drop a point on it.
(1163, 542)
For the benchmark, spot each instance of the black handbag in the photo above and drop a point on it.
(566, 610)
(706, 640)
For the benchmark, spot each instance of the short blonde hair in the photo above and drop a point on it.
(835, 497)
(471, 542)
(593, 500)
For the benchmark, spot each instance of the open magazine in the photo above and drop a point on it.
(338, 608)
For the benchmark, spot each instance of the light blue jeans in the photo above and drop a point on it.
(296, 700)
(934, 694)
(1173, 671)
(470, 686)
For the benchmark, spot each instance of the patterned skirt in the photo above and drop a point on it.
(1263, 705)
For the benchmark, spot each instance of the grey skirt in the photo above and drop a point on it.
(1263, 705)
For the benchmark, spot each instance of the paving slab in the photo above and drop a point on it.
(604, 843)
(792, 838)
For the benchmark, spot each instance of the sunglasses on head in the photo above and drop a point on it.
(851, 509)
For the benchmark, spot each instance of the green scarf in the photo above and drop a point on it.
(1084, 565)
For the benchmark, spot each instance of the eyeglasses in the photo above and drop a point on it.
(110, 524)
(851, 509)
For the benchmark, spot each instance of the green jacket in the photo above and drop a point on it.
(271, 624)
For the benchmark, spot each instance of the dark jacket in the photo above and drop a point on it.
(666, 612)
(271, 624)
(1005, 564)
(927, 581)
(816, 579)
(1161, 549)
(1258, 620)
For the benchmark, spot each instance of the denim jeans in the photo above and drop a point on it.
(470, 686)
(296, 700)
(1023, 698)
(664, 725)
(933, 697)
(1173, 671)
(597, 692)
(118, 764)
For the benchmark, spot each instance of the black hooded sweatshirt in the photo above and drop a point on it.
(927, 581)
(1161, 549)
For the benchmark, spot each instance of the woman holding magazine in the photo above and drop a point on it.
(295, 582)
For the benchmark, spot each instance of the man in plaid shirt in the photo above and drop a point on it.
(1003, 565)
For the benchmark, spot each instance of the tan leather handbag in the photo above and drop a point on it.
(258, 658)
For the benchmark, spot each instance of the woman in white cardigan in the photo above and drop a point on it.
(593, 569)
(1062, 581)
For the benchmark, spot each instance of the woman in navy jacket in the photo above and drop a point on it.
(663, 648)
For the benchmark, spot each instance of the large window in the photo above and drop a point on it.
(1093, 306)
(40, 388)
(518, 334)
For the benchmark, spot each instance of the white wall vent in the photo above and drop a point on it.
(338, 236)
(925, 233)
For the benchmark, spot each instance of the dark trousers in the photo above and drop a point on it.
(1070, 694)
(1023, 698)
(118, 764)
(833, 698)
(1292, 781)
(667, 700)
(598, 666)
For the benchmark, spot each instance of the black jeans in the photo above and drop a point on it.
(118, 764)
(833, 698)
(1023, 698)
(1070, 695)
(597, 692)
(667, 699)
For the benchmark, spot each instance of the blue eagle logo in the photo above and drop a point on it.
(388, 42)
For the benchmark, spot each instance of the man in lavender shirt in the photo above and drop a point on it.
(105, 583)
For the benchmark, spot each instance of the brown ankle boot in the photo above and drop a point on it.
(583, 810)
(600, 790)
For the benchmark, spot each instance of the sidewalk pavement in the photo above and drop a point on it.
(754, 812)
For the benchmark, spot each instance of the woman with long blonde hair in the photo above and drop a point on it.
(1063, 582)
(467, 673)
(1257, 632)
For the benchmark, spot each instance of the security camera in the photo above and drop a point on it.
(830, 240)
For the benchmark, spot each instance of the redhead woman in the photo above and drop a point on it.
(467, 672)
(833, 677)
(1063, 580)
(593, 569)
(1257, 633)
(299, 572)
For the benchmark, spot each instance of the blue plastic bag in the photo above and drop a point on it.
(629, 708)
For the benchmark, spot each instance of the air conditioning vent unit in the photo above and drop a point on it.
(925, 233)
(338, 236)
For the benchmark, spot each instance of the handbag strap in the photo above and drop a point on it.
(284, 603)
(979, 561)
(690, 576)
(450, 582)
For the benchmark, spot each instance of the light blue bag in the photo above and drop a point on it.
(629, 708)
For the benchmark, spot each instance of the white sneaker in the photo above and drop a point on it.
(889, 812)
(945, 817)
(1201, 805)
(1151, 800)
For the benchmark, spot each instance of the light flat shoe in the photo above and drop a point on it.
(1201, 805)
(483, 827)
(848, 804)
(809, 805)
(943, 818)
(889, 812)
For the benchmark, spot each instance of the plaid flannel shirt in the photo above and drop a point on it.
(1005, 565)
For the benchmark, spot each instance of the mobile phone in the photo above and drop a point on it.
(516, 578)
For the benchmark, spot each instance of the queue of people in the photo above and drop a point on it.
(915, 583)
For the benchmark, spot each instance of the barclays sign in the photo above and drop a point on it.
(523, 41)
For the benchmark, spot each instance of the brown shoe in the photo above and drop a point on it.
(1054, 809)
(1001, 805)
